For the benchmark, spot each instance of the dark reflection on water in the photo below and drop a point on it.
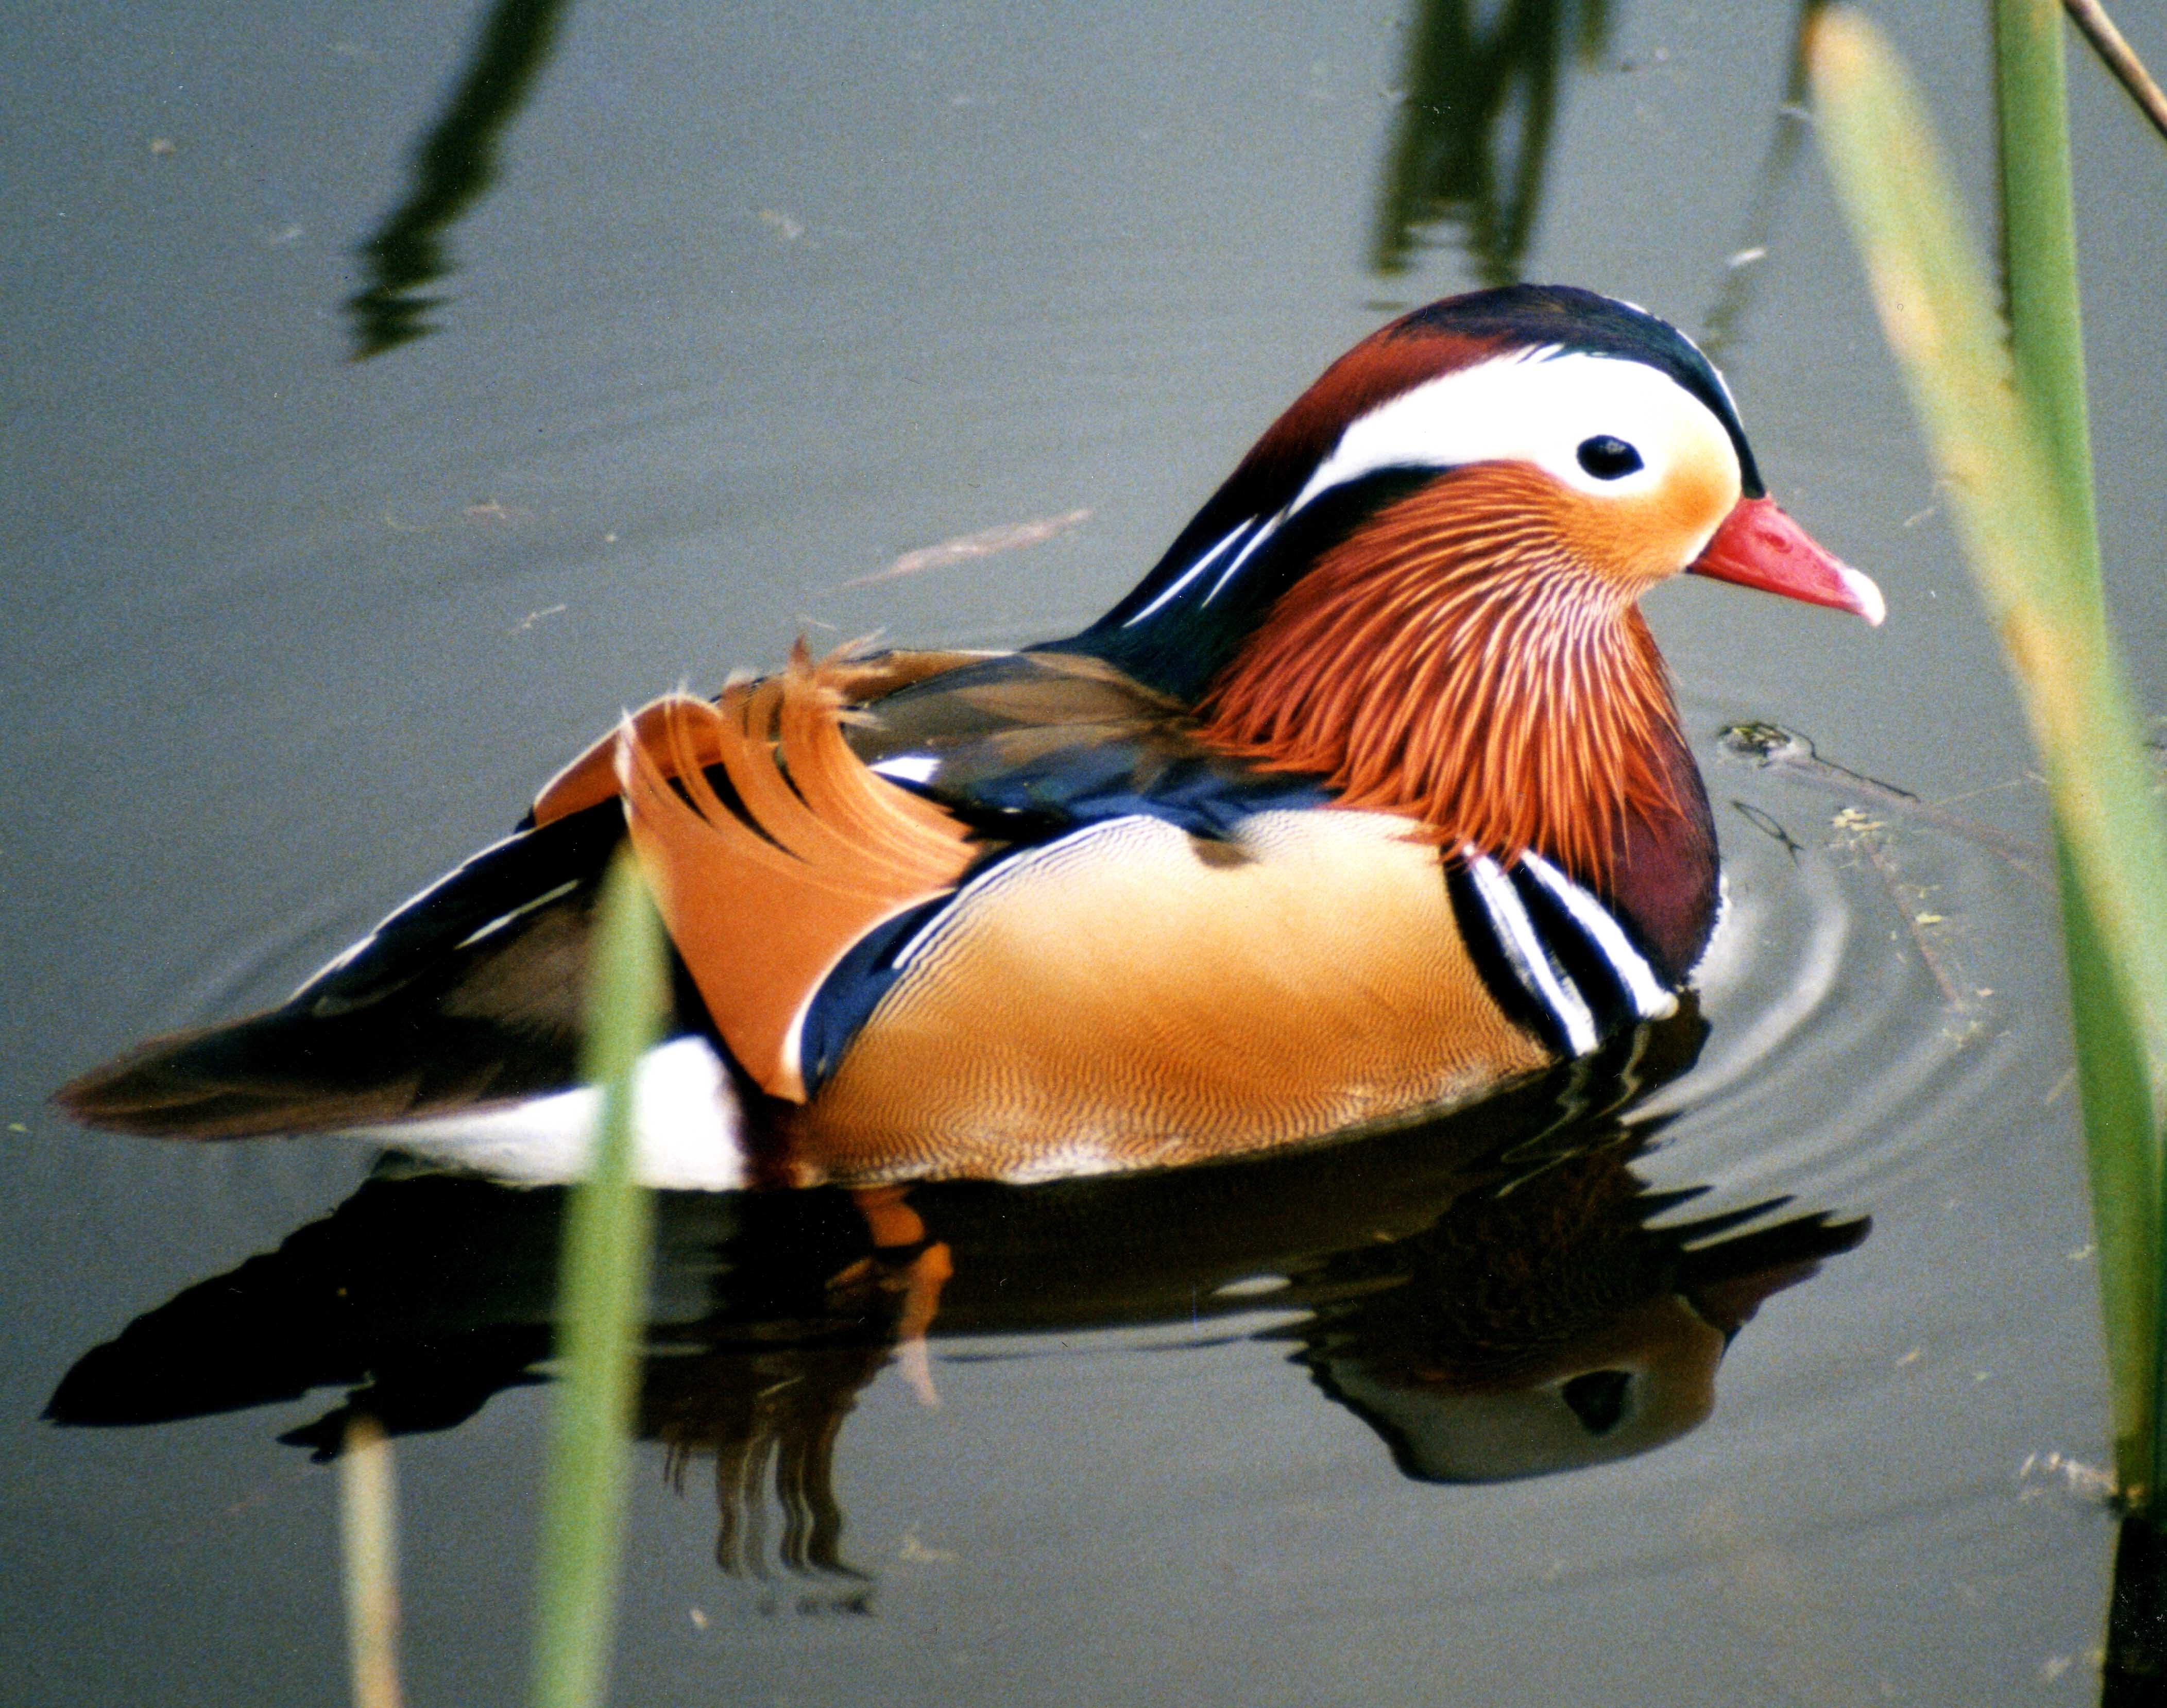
(1488, 1290)
(453, 164)
(1744, 268)
(1470, 142)
(2134, 1669)
(1469, 151)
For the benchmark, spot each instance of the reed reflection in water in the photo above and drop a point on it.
(454, 164)
(1487, 1290)
(1471, 143)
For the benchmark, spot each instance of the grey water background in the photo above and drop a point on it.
(759, 303)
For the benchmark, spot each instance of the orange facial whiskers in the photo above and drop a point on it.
(1457, 660)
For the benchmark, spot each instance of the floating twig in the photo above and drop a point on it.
(372, 1570)
(1774, 747)
(1866, 836)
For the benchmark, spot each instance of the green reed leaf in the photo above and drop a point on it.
(602, 1296)
(2019, 493)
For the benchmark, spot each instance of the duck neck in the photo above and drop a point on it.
(1181, 627)
(1468, 674)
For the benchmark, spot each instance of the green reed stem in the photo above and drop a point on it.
(369, 1542)
(2039, 257)
(2047, 344)
(2020, 491)
(602, 1296)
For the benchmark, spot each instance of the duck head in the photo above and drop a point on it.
(1422, 585)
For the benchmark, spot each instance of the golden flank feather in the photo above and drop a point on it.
(1131, 997)
(764, 892)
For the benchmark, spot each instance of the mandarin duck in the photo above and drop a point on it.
(1371, 797)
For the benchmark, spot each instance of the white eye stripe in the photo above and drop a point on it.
(1535, 406)
(1722, 384)
(1242, 556)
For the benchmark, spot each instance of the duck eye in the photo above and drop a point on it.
(1608, 458)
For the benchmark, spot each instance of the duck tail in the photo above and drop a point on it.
(275, 1072)
(470, 992)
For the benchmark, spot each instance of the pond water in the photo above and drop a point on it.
(754, 306)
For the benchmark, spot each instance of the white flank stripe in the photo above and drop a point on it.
(793, 1039)
(1010, 870)
(901, 957)
(1651, 1000)
(1521, 941)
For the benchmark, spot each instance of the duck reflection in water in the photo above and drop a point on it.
(1494, 1291)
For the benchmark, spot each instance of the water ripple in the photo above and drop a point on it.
(1875, 991)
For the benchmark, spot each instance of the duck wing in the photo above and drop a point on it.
(1029, 745)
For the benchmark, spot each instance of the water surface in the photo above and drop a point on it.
(754, 306)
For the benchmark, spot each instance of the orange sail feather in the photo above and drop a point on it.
(765, 893)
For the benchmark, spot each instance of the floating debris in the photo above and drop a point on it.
(1772, 746)
(2045, 1473)
(983, 544)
